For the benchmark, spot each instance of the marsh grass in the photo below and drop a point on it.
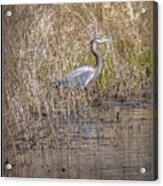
(44, 42)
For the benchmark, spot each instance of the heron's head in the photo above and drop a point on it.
(98, 40)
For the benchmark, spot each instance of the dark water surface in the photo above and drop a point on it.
(109, 142)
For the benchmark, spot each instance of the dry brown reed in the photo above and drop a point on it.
(43, 42)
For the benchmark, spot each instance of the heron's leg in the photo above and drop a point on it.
(86, 89)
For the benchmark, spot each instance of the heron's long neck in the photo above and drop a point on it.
(97, 56)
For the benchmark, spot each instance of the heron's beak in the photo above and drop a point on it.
(107, 40)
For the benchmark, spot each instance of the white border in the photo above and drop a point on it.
(66, 182)
(58, 1)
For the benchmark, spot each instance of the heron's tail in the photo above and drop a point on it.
(56, 84)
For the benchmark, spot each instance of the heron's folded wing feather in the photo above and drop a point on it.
(80, 77)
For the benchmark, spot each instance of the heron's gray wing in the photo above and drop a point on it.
(79, 77)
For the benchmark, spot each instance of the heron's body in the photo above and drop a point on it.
(82, 76)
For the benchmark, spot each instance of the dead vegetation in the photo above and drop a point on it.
(43, 42)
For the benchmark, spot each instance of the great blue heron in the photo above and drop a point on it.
(82, 76)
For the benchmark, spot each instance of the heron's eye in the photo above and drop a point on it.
(98, 40)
